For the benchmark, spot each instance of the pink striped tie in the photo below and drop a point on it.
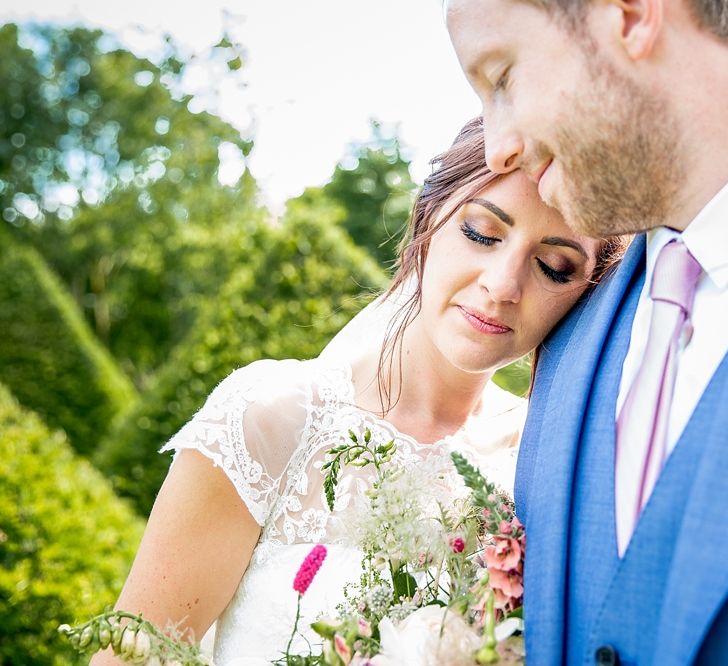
(644, 418)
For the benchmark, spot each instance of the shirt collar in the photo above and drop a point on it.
(706, 237)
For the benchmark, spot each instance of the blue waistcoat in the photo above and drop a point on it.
(666, 601)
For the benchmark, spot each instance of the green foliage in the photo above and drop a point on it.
(66, 542)
(498, 509)
(302, 283)
(145, 281)
(48, 357)
(360, 453)
(153, 230)
(374, 188)
(515, 377)
(130, 635)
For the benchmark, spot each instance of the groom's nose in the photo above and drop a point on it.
(503, 144)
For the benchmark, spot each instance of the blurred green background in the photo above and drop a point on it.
(132, 280)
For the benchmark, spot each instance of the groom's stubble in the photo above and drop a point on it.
(619, 146)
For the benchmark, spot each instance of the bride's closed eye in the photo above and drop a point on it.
(470, 233)
(560, 277)
(557, 276)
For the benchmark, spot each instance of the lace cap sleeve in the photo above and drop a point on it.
(250, 426)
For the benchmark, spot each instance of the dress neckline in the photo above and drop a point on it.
(388, 425)
(505, 404)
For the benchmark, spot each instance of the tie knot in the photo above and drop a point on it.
(676, 276)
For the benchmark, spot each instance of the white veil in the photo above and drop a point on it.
(366, 331)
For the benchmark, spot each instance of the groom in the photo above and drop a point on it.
(618, 109)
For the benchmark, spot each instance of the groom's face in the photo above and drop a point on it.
(563, 105)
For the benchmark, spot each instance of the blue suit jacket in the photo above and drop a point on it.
(690, 624)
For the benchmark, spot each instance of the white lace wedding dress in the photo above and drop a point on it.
(268, 426)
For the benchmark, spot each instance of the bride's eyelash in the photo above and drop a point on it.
(560, 277)
(474, 236)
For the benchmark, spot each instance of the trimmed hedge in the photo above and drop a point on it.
(304, 282)
(66, 541)
(49, 358)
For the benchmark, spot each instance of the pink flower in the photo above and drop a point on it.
(504, 554)
(510, 584)
(364, 628)
(457, 544)
(309, 569)
(508, 589)
(504, 560)
(342, 649)
(505, 527)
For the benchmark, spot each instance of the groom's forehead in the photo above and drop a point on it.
(479, 28)
(547, 6)
(507, 18)
(482, 22)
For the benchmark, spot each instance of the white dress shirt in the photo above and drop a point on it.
(699, 357)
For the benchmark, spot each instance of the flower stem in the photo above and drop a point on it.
(295, 628)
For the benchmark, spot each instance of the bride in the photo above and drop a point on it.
(486, 273)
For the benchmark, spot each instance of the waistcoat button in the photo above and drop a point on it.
(606, 655)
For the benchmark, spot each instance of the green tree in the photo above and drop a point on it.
(66, 541)
(49, 357)
(305, 280)
(150, 230)
(373, 186)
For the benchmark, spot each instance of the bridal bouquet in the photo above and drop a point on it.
(441, 578)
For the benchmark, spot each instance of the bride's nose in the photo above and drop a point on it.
(502, 279)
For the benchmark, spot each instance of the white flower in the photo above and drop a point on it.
(142, 645)
(417, 640)
(313, 525)
(397, 521)
(507, 628)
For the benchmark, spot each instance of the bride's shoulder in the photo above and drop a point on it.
(275, 383)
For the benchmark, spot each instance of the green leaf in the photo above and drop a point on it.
(447, 521)
(330, 481)
(404, 585)
(224, 43)
(436, 602)
(235, 64)
(474, 480)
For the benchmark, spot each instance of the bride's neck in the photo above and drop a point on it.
(429, 397)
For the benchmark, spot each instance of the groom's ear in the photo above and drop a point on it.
(638, 24)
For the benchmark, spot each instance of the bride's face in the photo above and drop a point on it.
(499, 275)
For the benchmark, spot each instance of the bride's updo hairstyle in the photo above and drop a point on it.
(458, 174)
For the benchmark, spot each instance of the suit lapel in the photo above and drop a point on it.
(556, 436)
(698, 580)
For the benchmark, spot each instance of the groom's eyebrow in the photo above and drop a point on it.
(498, 212)
(555, 240)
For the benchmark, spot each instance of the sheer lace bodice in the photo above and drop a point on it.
(268, 426)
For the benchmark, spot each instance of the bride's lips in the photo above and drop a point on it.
(482, 323)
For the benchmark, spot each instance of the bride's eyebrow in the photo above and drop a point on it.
(498, 212)
(565, 242)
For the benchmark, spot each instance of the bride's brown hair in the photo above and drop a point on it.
(457, 175)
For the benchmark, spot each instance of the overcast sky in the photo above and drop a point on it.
(317, 71)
